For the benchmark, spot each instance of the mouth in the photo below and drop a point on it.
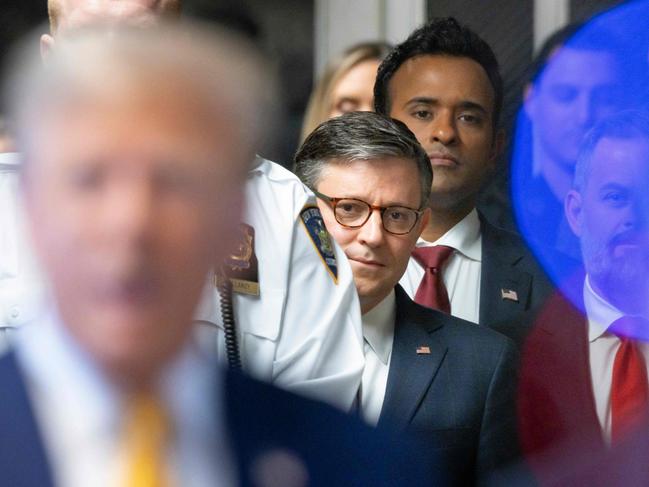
(132, 291)
(366, 262)
(442, 159)
(624, 243)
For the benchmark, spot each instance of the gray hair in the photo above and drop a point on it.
(222, 75)
(626, 124)
(363, 136)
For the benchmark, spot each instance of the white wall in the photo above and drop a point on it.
(342, 23)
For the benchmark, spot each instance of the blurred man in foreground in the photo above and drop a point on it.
(425, 371)
(135, 145)
(21, 282)
(282, 305)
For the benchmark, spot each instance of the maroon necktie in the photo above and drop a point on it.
(432, 292)
(629, 387)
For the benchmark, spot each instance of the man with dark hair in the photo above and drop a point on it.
(425, 371)
(443, 83)
(576, 81)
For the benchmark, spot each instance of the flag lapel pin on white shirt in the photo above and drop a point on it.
(509, 294)
(423, 350)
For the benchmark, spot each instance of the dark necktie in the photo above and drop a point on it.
(431, 291)
(629, 386)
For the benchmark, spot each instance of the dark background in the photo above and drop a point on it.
(284, 30)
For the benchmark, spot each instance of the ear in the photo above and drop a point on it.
(573, 209)
(47, 44)
(423, 221)
(529, 100)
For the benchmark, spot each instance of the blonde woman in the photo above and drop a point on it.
(346, 85)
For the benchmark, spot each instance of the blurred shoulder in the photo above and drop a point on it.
(332, 447)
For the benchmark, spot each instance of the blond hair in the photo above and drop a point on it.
(319, 105)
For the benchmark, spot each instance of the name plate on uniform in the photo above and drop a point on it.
(245, 287)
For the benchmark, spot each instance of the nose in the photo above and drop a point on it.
(443, 128)
(641, 212)
(585, 110)
(635, 214)
(129, 212)
(372, 233)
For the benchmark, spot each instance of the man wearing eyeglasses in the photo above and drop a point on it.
(425, 370)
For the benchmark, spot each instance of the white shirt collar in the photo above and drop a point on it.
(84, 390)
(601, 314)
(77, 406)
(10, 160)
(464, 237)
(378, 327)
(74, 381)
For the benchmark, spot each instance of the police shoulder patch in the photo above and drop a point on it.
(315, 228)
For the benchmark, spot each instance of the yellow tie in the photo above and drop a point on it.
(146, 437)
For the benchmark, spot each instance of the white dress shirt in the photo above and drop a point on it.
(21, 286)
(79, 413)
(378, 334)
(303, 331)
(602, 349)
(462, 271)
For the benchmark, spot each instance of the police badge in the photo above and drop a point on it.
(241, 266)
(315, 227)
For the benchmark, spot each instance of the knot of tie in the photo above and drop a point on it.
(432, 257)
(431, 291)
(630, 327)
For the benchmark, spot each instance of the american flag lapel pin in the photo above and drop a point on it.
(509, 294)
(423, 350)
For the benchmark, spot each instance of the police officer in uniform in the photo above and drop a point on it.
(295, 307)
(20, 282)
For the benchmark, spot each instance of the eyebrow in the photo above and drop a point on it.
(388, 205)
(611, 185)
(464, 104)
(353, 99)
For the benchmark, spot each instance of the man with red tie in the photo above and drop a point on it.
(448, 380)
(443, 83)
(584, 374)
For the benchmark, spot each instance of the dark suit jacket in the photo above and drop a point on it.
(556, 402)
(460, 397)
(264, 424)
(507, 264)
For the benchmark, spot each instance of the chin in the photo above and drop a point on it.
(132, 363)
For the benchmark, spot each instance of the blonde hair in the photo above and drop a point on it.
(319, 105)
(53, 13)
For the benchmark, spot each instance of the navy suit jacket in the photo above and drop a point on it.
(508, 265)
(459, 398)
(330, 447)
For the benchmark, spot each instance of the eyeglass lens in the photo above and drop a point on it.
(354, 213)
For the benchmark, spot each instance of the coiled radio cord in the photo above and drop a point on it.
(229, 326)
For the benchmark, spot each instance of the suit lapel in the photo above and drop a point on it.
(22, 455)
(568, 327)
(504, 289)
(410, 373)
